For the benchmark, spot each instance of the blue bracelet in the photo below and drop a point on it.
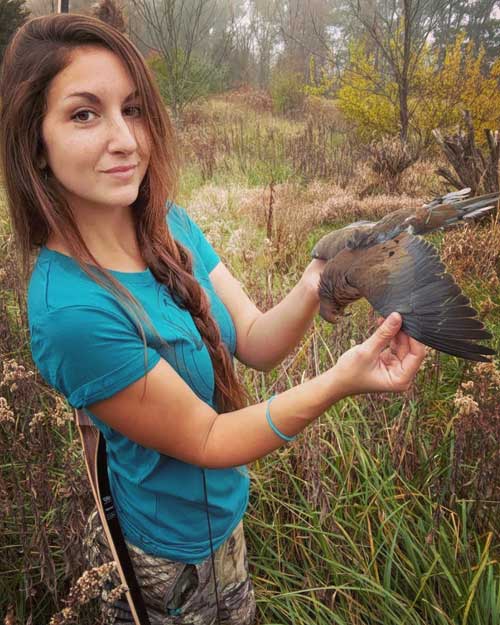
(273, 427)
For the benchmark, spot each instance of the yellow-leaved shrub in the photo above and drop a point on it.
(437, 94)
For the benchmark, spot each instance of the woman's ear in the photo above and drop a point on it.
(42, 163)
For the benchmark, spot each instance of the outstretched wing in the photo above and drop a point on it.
(442, 212)
(406, 275)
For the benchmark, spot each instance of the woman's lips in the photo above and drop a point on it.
(123, 174)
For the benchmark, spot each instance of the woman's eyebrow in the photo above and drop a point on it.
(95, 99)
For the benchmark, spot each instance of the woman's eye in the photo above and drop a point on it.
(133, 111)
(77, 117)
(137, 111)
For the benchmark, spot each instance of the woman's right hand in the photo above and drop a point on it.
(387, 361)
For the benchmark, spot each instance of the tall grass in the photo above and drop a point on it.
(258, 148)
(385, 510)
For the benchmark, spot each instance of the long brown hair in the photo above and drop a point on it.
(37, 52)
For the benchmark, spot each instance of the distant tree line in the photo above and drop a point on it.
(383, 47)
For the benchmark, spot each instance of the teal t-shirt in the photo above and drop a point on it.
(88, 348)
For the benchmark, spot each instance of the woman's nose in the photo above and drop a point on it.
(122, 134)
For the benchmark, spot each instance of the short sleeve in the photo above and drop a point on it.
(204, 248)
(89, 354)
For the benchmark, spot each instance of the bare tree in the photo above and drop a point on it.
(264, 34)
(303, 26)
(180, 32)
(13, 13)
(241, 63)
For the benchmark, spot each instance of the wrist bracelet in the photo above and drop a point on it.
(273, 427)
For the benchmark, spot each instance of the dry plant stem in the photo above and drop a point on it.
(269, 227)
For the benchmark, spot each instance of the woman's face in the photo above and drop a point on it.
(86, 135)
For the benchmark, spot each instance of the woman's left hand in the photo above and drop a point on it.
(311, 275)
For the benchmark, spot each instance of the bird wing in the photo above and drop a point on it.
(442, 212)
(449, 197)
(406, 275)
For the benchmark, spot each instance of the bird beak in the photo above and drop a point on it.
(328, 311)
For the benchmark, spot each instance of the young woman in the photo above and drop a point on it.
(134, 318)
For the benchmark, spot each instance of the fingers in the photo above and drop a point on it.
(387, 357)
(414, 358)
(417, 348)
(408, 355)
(400, 353)
(384, 334)
(400, 345)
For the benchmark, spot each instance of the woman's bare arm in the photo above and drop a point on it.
(173, 420)
(264, 339)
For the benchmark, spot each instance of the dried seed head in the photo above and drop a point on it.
(6, 414)
(465, 404)
(12, 371)
(86, 587)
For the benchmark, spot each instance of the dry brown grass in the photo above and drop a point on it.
(421, 180)
(236, 133)
(472, 252)
(320, 152)
(299, 209)
(296, 211)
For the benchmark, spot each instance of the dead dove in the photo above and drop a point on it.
(389, 264)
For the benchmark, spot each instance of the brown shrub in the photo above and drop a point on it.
(200, 144)
(86, 588)
(472, 251)
(389, 157)
(195, 114)
(257, 100)
(421, 180)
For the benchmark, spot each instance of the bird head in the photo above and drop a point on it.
(329, 307)
(329, 311)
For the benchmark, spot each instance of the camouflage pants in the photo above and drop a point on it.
(176, 593)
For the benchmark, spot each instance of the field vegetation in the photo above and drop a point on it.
(384, 511)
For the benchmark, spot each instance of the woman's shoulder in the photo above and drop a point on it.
(185, 229)
(57, 282)
(178, 220)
